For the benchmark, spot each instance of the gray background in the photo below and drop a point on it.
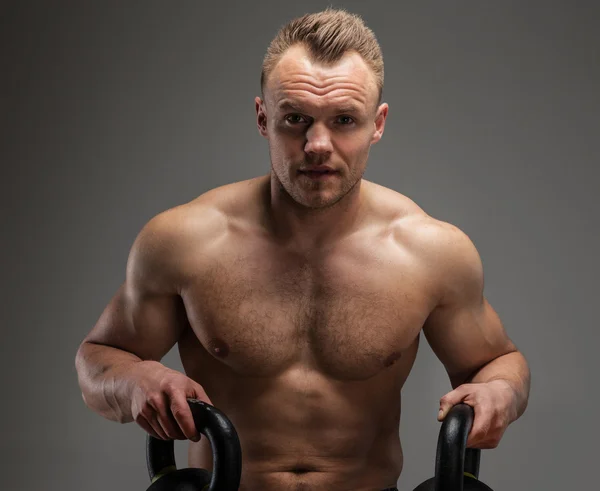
(114, 111)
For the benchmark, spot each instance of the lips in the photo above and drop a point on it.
(318, 170)
(318, 174)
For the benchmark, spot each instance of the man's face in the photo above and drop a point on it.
(320, 122)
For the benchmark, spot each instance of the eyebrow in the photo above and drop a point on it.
(288, 105)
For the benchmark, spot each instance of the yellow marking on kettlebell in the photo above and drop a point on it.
(468, 474)
(205, 488)
(163, 471)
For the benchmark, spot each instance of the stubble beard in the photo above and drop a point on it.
(296, 187)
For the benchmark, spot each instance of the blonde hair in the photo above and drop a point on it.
(327, 35)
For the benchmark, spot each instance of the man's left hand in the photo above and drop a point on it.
(495, 407)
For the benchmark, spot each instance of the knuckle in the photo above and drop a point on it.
(167, 384)
(483, 408)
(480, 398)
(154, 399)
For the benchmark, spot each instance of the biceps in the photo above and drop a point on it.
(143, 324)
(465, 339)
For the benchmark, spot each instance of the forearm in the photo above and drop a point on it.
(511, 368)
(103, 375)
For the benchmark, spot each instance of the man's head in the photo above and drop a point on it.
(322, 82)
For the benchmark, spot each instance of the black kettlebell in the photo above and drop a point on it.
(456, 466)
(226, 451)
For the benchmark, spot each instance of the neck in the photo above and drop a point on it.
(305, 227)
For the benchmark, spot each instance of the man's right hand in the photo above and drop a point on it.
(159, 401)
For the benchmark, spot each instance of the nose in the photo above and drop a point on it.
(318, 140)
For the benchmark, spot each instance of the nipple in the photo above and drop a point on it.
(390, 360)
(218, 347)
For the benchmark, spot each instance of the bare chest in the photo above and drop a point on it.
(349, 315)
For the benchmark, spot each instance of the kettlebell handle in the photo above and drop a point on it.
(224, 442)
(453, 458)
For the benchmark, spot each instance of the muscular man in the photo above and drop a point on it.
(297, 299)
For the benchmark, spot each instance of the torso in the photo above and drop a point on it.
(307, 353)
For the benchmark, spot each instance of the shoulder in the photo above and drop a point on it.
(437, 241)
(448, 254)
(441, 248)
(204, 218)
(166, 243)
(172, 229)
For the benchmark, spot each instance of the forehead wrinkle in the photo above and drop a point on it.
(324, 88)
(336, 103)
(321, 83)
(351, 93)
(335, 93)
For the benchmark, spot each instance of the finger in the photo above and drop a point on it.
(167, 421)
(170, 425)
(453, 398)
(199, 393)
(143, 423)
(158, 415)
(150, 417)
(490, 438)
(483, 424)
(183, 417)
(176, 429)
(155, 422)
(150, 411)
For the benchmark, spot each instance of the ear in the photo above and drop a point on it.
(380, 118)
(261, 116)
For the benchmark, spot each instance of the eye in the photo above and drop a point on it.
(295, 118)
(345, 120)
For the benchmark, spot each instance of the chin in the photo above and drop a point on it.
(320, 202)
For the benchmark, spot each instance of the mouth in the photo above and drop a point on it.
(318, 174)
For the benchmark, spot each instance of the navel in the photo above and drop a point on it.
(218, 347)
(393, 358)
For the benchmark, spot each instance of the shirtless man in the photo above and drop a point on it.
(297, 299)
